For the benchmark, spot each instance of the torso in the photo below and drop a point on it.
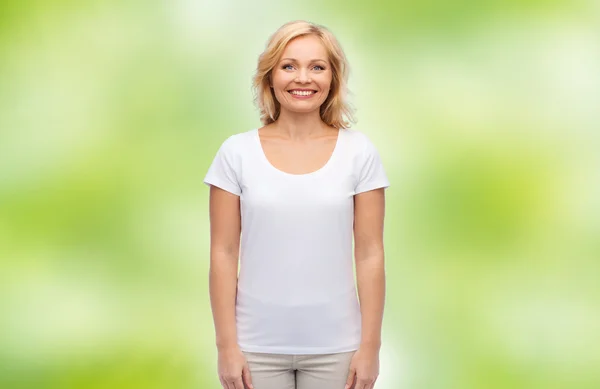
(296, 291)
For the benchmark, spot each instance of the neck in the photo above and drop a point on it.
(300, 126)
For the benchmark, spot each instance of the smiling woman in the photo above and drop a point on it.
(288, 198)
(303, 74)
(309, 55)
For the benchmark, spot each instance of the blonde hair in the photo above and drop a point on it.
(335, 110)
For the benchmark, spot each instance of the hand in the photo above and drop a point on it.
(364, 369)
(233, 369)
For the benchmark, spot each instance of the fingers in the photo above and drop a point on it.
(246, 376)
(374, 381)
(362, 383)
(350, 379)
(231, 382)
(224, 383)
(238, 384)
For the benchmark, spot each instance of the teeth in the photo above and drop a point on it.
(301, 93)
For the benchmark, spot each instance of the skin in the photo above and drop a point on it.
(369, 210)
(299, 142)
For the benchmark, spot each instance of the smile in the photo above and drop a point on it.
(297, 92)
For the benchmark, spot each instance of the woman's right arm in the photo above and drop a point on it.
(225, 227)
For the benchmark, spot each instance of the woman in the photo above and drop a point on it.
(296, 190)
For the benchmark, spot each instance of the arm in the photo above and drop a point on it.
(369, 209)
(370, 270)
(225, 227)
(224, 252)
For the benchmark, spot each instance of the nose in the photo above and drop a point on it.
(303, 77)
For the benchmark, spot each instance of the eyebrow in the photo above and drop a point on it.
(312, 60)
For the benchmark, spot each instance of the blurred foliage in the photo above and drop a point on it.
(485, 114)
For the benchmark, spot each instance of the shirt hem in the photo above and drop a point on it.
(373, 186)
(222, 185)
(297, 350)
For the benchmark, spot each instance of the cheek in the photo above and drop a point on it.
(279, 93)
(281, 79)
(325, 82)
(325, 87)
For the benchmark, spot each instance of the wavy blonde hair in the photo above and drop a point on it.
(335, 110)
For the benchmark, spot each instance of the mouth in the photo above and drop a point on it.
(302, 92)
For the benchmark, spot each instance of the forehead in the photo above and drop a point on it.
(305, 47)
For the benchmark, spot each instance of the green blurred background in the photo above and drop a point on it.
(487, 117)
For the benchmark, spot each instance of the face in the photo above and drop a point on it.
(302, 78)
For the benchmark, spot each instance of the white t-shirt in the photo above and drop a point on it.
(296, 291)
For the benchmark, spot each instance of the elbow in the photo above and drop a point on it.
(369, 252)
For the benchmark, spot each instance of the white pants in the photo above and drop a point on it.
(283, 371)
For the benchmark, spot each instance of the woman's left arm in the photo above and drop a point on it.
(369, 211)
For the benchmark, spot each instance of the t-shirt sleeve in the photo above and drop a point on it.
(371, 174)
(223, 172)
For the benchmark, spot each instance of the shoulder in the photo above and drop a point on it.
(237, 143)
(358, 141)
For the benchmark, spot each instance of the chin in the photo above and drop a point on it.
(302, 110)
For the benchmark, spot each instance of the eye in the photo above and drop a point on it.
(318, 67)
(288, 66)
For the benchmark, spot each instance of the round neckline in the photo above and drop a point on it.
(321, 169)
